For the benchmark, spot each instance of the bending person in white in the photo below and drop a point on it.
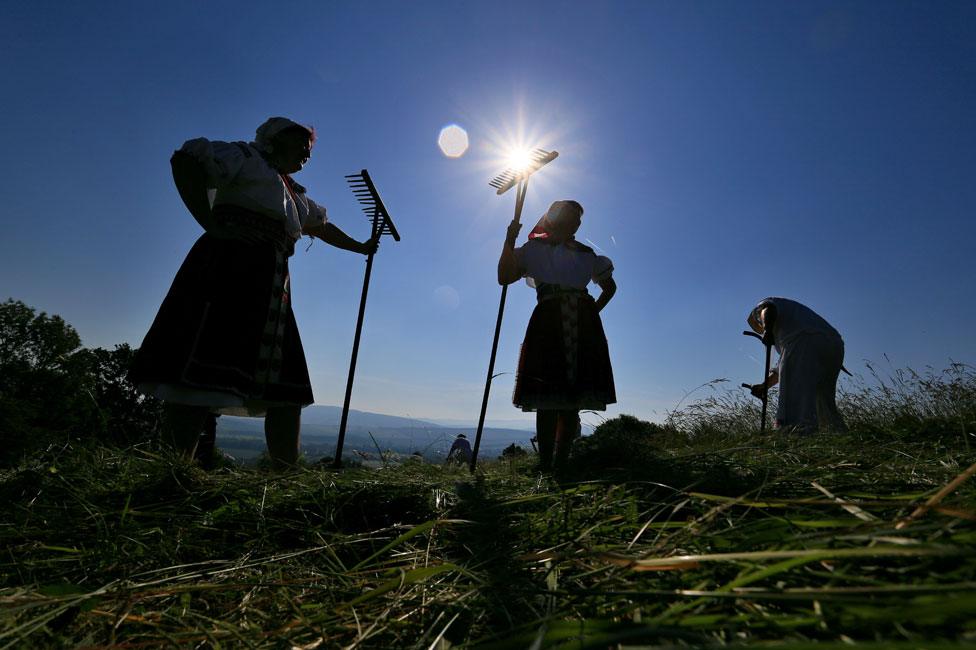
(811, 355)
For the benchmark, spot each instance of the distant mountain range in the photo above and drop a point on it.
(518, 425)
(369, 434)
(330, 415)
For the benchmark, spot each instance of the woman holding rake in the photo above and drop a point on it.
(564, 365)
(225, 339)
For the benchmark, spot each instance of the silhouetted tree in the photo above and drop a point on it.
(41, 380)
(53, 390)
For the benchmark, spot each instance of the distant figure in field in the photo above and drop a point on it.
(811, 355)
(225, 338)
(460, 451)
(564, 366)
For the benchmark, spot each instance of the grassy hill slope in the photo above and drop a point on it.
(699, 534)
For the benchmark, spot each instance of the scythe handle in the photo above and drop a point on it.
(765, 397)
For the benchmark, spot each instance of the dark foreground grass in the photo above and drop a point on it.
(710, 540)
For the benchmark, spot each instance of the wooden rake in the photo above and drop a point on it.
(518, 178)
(365, 192)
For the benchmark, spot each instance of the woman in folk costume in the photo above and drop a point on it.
(225, 338)
(811, 357)
(564, 366)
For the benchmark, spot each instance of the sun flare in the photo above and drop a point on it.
(519, 159)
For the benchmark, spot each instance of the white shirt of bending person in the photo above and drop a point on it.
(793, 320)
(242, 177)
(544, 263)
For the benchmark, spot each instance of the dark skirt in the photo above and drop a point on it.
(564, 363)
(227, 326)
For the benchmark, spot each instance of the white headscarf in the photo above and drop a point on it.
(272, 127)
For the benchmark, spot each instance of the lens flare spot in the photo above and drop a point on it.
(453, 141)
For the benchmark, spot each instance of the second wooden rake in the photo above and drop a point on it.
(364, 190)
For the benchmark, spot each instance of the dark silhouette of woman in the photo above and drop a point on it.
(225, 339)
(564, 366)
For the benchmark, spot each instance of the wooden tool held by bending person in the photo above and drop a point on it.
(765, 393)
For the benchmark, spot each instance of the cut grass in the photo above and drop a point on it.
(718, 539)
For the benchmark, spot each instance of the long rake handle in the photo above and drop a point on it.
(352, 362)
(519, 201)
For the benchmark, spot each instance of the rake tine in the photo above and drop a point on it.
(365, 192)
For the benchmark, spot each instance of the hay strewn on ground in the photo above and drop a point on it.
(719, 538)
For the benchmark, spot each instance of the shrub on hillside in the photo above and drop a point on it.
(624, 443)
(513, 451)
(125, 415)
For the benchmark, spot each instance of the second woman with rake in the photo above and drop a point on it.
(564, 365)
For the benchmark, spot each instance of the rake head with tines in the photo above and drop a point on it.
(362, 186)
(365, 192)
(508, 178)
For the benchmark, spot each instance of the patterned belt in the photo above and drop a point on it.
(547, 291)
(262, 226)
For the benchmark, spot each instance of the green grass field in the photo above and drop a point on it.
(698, 534)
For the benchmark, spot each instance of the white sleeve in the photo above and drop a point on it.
(221, 161)
(317, 214)
(602, 269)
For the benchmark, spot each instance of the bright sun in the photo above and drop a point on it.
(519, 159)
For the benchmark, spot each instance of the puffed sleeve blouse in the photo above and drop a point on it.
(568, 264)
(242, 177)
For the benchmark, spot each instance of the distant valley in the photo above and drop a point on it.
(367, 436)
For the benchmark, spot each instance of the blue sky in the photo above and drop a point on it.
(824, 151)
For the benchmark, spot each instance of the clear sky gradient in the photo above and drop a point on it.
(823, 151)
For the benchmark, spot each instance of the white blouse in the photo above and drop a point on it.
(543, 263)
(242, 177)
